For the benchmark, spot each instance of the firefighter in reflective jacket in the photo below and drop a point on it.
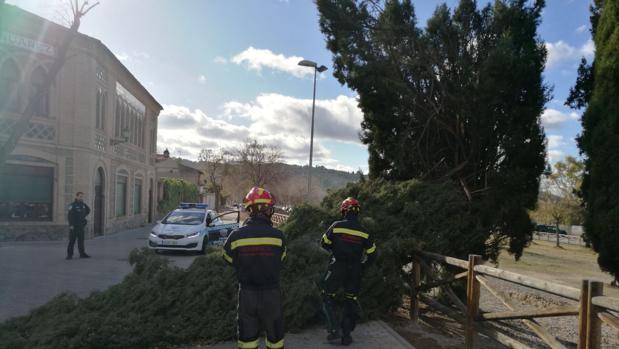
(352, 249)
(256, 250)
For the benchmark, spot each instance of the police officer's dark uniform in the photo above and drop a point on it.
(352, 248)
(256, 251)
(78, 211)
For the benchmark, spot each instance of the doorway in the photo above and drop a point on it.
(150, 201)
(99, 202)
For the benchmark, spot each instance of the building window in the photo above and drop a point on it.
(100, 112)
(26, 193)
(121, 194)
(38, 81)
(9, 86)
(137, 196)
(130, 114)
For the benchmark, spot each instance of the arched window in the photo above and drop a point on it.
(121, 193)
(38, 81)
(9, 86)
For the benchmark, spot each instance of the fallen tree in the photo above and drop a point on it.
(159, 305)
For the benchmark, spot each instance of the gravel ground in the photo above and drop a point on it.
(565, 328)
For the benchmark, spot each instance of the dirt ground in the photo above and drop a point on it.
(567, 265)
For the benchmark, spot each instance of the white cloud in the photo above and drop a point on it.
(561, 51)
(555, 141)
(220, 60)
(122, 56)
(259, 59)
(588, 49)
(272, 119)
(581, 29)
(555, 155)
(202, 79)
(552, 118)
(335, 119)
(135, 56)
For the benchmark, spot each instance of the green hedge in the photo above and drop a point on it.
(175, 191)
(158, 305)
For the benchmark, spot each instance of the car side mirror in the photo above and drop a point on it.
(209, 221)
(158, 222)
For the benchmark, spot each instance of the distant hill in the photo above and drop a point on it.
(327, 178)
(291, 184)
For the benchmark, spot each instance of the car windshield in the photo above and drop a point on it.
(185, 218)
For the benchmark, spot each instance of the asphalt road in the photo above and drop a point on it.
(34, 272)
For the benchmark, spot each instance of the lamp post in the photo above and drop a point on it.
(317, 69)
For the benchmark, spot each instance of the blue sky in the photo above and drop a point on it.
(225, 70)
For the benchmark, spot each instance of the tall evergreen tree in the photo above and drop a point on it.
(460, 100)
(597, 88)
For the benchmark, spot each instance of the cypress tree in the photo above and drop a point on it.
(460, 100)
(597, 88)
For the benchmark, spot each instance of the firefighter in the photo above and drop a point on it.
(352, 249)
(257, 250)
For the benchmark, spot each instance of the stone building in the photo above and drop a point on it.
(95, 132)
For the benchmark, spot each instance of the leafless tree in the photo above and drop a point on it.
(260, 163)
(214, 163)
(79, 9)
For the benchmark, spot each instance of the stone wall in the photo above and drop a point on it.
(33, 232)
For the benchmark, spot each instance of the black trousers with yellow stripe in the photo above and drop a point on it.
(342, 274)
(260, 310)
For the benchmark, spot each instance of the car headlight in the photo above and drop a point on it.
(193, 235)
(153, 234)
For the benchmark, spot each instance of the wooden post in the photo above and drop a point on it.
(583, 314)
(594, 324)
(472, 303)
(415, 283)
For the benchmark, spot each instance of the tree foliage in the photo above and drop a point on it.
(560, 199)
(596, 89)
(460, 100)
(175, 191)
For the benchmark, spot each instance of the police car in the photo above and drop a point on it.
(192, 227)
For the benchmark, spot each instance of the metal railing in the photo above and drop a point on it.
(563, 238)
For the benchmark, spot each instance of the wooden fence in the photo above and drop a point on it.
(563, 238)
(592, 310)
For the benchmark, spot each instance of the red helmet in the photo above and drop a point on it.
(350, 204)
(258, 196)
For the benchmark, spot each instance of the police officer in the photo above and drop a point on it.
(78, 211)
(352, 249)
(256, 250)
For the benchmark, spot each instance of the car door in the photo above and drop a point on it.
(220, 226)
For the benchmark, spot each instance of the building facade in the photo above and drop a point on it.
(95, 132)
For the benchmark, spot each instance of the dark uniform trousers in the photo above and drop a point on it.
(347, 276)
(258, 308)
(349, 244)
(77, 232)
(256, 251)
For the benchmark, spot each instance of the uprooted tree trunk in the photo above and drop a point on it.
(21, 126)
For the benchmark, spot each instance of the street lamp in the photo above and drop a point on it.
(317, 69)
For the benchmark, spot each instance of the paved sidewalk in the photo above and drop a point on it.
(33, 272)
(370, 335)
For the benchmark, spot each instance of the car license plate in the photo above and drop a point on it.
(169, 242)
